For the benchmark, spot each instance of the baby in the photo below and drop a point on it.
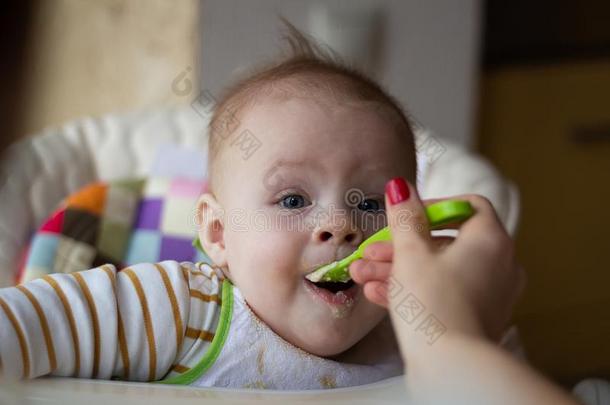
(327, 140)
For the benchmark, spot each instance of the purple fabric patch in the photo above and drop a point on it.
(179, 249)
(149, 214)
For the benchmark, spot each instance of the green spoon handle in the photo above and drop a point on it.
(439, 214)
(382, 235)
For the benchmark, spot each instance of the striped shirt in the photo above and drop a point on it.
(144, 323)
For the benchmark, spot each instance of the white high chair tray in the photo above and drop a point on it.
(48, 391)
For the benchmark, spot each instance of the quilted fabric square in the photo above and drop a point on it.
(144, 247)
(120, 222)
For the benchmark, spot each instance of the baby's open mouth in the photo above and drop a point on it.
(340, 296)
(334, 287)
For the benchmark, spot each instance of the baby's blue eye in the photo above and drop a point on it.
(369, 204)
(293, 201)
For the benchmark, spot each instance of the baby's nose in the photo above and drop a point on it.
(346, 234)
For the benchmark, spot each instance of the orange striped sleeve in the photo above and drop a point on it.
(71, 321)
(95, 322)
(123, 349)
(25, 353)
(44, 325)
(171, 294)
(150, 335)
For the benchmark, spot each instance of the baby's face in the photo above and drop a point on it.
(309, 195)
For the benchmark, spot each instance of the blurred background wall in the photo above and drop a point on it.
(426, 53)
(64, 59)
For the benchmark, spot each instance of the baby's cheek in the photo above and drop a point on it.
(280, 253)
(265, 268)
(270, 255)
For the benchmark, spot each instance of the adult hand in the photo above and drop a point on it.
(469, 284)
(446, 300)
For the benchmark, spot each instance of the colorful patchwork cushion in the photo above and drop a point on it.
(120, 222)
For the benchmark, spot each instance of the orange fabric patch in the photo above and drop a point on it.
(91, 198)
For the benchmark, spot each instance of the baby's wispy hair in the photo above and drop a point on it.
(305, 69)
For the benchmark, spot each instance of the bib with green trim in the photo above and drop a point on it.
(253, 356)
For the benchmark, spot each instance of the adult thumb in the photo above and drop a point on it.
(406, 216)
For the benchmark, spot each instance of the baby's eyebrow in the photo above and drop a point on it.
(286, 162)
(273, 175)
(292, 164)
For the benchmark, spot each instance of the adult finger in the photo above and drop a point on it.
(376, 292)
(441, 242)
(363, 271)
(379, 251)
(484, 228)
(406, 217)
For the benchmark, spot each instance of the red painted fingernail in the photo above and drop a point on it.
(397, 190)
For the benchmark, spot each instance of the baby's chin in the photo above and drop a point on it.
(331, 336)
(324, 347)
(332, 344)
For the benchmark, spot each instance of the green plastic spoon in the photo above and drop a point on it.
(439, 214)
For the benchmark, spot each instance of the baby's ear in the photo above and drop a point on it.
(210, 219)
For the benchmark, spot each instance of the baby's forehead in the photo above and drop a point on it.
(323, 91)
(290, 114)
(308, 130)
(309, 119)
(327, 89)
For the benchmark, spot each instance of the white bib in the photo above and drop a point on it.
(254, 356)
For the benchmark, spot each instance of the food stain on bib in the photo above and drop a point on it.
(328, 381)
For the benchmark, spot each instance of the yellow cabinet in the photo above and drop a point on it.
(548, 129)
